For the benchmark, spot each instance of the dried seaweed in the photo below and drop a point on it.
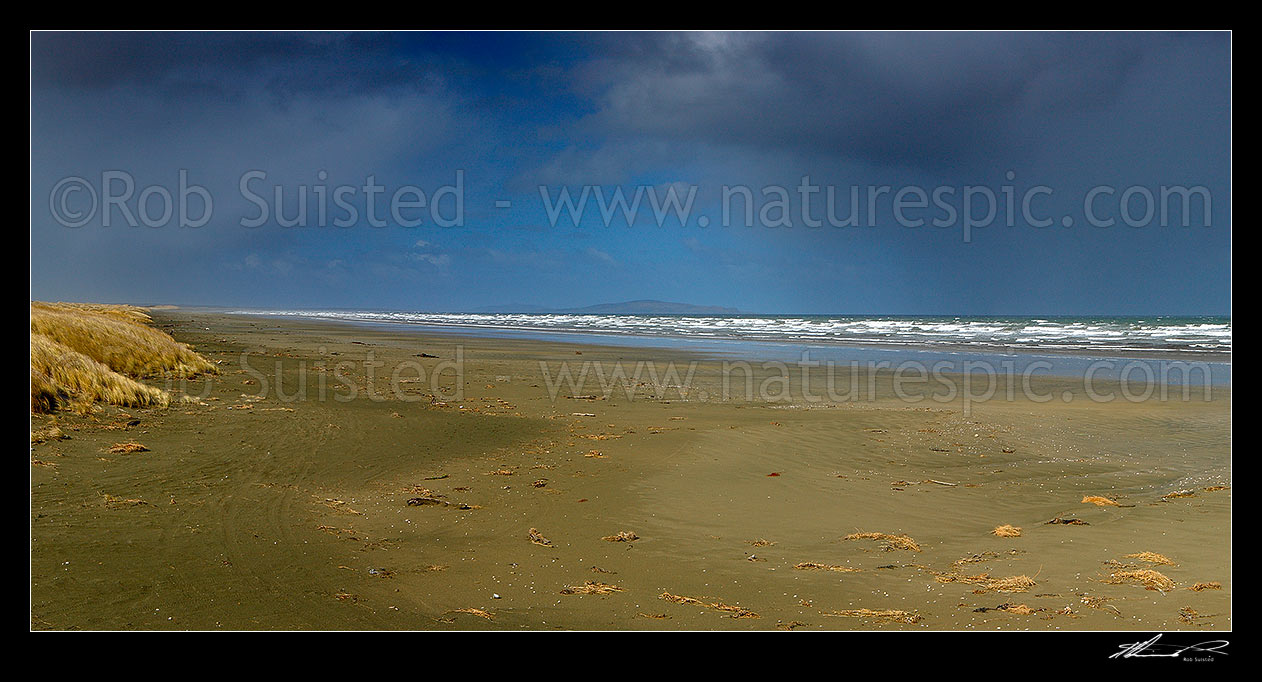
(886, 615)
(889, 542)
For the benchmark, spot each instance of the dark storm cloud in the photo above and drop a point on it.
(181, 65)
(923, 99)
(916, 98)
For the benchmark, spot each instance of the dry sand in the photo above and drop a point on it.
(279, 513)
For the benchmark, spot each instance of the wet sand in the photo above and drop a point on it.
(266, 507)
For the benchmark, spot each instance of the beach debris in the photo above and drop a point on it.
(1201, 587)
(654, 616)
(1178, 494)
(1099, 501)
(474, 612)
(773, 474)
(595, 454)
(1152, 558)
(735, 611)
(761, 542)
(539, 483)
(624, 536)
(884, 615)
(790, 625)
(113, 502)
(1019, 609)
(1187, 614)
(591, 587)
(1016, 583)
(1007, 531)
(426, 500)
(1149, 578)
(1067, 522)
(340, 505)
(127, 448)
(813, 566)
(952, 485)
(1099, 602)
(1216, 488)
(48, 433)
(680, 599)
(971, 559)
(439, 477)
(538, 538)
(985, 583)
(500, 472)
(890, 542)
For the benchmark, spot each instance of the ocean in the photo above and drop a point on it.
(1206, 337)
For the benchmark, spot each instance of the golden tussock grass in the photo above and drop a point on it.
(1099, 501)
(1152, 558)
(82, 354)
(890, 541)
(886, 615)
(1150, 579)
(1200, 587)
(62, 378)
(1007, 531)
(118, 337)
(127, 448)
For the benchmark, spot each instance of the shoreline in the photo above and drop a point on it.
(283, 507)
(676, 340)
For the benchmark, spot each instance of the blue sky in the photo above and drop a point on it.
(512, 112)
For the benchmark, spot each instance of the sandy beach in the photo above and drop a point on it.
(374, 498)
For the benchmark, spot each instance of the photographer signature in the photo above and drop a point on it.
(1151, 649)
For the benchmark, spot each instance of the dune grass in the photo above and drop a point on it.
(83, 354)
(118, 337)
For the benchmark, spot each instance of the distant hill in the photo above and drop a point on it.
(643, 307)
